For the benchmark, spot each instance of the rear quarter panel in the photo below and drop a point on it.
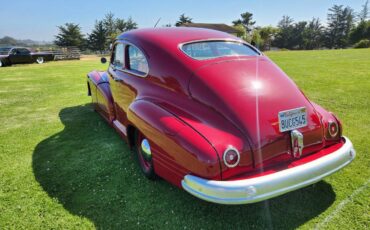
(177, 149)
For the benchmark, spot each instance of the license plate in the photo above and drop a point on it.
(292, 119)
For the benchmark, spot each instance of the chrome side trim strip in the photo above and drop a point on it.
(120, 127)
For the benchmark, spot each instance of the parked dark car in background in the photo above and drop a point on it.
(19, 55)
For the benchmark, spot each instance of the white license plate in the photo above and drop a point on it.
(292, 119)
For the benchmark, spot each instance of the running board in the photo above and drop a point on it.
(120, 127)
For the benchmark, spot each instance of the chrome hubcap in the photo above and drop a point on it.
(145, 147)
(40, 60)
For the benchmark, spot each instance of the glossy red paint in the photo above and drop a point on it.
(193, 110)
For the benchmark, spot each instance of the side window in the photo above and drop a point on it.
(136, 61)
(23, 51)
(14, 51)
(118, 56)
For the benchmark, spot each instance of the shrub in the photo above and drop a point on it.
(364, 43)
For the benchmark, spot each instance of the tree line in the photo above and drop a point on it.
(102, 35)
(344, 28)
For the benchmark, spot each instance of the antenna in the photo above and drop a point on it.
(157, 22)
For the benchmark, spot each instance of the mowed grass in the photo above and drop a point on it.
(63, 167)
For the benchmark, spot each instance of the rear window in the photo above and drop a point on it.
(214, 49)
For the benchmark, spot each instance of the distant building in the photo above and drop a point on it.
(220, 27)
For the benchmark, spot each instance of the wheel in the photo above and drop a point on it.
(144, 155)
(1, 63)
(40, 60)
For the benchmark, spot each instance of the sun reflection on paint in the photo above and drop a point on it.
(256, 85)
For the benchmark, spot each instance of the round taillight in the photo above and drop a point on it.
(231, 157)
(333, 128)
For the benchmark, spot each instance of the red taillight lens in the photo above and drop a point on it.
(333, 128)
(231, 157)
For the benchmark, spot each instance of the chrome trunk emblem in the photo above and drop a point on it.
(297, 143)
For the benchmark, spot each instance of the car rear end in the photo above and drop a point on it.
(274, 181)
(288, 142)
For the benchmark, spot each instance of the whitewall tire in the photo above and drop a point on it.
(40, 60)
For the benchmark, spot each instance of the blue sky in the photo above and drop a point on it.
(38, 19)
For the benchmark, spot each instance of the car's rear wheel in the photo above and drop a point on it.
(1, 63)
(144, 155)
(40, 60)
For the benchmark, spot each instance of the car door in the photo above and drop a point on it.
(24, 55)
(116, 81)
(14, 56)
(127, 69)
(19, 55)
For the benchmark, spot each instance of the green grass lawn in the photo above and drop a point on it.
(62, 166)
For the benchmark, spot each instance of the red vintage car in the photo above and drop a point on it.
(211, 114)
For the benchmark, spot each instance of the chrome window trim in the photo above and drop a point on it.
(125, 70)
(113, 56)
(127, 43)
(180, 45)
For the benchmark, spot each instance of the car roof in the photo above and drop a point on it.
(14, 47)
(174, 35)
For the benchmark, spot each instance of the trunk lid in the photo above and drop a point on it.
(250, 93)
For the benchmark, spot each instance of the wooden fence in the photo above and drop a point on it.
(67, 53)
(64, 53)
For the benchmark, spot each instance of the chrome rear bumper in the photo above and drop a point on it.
(272, 185)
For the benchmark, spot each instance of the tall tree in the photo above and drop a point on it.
(241, 32)
(256, 39)
(183, 20)
(246, 20)
(130, 25)
(122, 26)
(313, 35)
(109, 23)
(340, 23)
(298, 35)
(97, 40)
(361, 31)
(268, 34)
(364, 13)
(115, 26)
(69, 35)
(284, 37)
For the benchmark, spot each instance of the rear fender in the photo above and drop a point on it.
(101, 95)
(177, 149)
(325, 117)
